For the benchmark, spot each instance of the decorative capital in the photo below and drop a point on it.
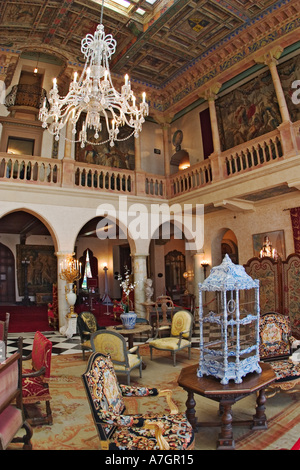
(271, 57)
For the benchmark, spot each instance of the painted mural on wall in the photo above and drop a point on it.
(121, 155)
(252, 110)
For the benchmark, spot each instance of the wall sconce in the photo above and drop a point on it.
(204, 263)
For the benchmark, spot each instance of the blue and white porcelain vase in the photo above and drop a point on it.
(128, 320)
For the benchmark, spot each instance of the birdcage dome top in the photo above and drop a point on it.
(228, 276)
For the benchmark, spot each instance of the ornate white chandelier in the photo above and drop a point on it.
(95, 95)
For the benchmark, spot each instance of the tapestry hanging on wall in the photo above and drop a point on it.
(41, 269)
(121, 155)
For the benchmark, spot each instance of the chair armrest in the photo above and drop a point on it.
(134, 350)
(134, 391)
(158, 430)
(36, 373)
(168, 394)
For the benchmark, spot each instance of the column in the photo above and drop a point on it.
(287, 133)
(198, 278)
(140, 188)
(210, 95)
(270, 59)
(68, 162)
(140, 276)
(63, 307)
(166, 138)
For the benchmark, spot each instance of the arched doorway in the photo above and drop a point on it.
(33, 263)
(7, 275)
(229, 246)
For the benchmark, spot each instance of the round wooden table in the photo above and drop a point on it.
(137, 330)
(226, 395)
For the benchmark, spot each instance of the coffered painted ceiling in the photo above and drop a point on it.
(171, 47)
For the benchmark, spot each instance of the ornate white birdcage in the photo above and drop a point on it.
(232, 326)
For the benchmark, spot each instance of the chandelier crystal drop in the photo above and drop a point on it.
(94, 94)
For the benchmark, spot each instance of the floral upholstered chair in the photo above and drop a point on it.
(114, 344)
(86, 326)
(180, 337)
(12, 417)
(36, 379)
(4, 330)
(275, 348)
(118, 431)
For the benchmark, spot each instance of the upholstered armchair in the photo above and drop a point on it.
(86, 326)
(118, 431)
(12, 417)
(275, 348)
(180, 335)
(36, 379)
(4, 330)
(114, 344)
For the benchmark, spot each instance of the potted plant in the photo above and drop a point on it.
(128, 317)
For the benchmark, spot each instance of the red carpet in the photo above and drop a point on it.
(35, 318)
(26, 319)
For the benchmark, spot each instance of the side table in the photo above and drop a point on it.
(226, 395)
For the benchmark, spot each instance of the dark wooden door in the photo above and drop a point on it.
(7, 275)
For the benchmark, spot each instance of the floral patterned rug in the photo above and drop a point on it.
(73, 427)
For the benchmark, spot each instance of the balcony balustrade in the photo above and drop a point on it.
(257, 153)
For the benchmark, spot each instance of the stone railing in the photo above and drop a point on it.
(104, 179)
(193, 178)
(255, 153)
(272, 147)
(23, 168)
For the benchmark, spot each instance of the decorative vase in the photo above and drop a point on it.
(128, 320)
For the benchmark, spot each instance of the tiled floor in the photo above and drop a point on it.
(61, 344)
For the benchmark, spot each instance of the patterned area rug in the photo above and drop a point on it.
(73, 427)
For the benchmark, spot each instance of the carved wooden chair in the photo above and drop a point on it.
(275, 347)
(180, 335)
(86, 326)
(36, 379)
(118, 431)
(12, 417)
(164, 310)
(4, 331)
(114, 344)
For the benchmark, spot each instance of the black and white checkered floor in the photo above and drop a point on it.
(61, 344)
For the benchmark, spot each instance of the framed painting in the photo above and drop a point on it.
(41, 268)
(276, 238)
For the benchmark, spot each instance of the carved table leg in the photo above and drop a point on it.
(226, 441)
(190, 410)
(260, 419)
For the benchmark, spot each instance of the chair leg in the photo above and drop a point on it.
(174, 358)
(26, 439)
(141, 367)
(128, 378)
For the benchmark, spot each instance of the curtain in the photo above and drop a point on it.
(295, 218)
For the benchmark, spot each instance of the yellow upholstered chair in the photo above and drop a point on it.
(180, 337)
(114, 344)
(86, 326)
(120, 431)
